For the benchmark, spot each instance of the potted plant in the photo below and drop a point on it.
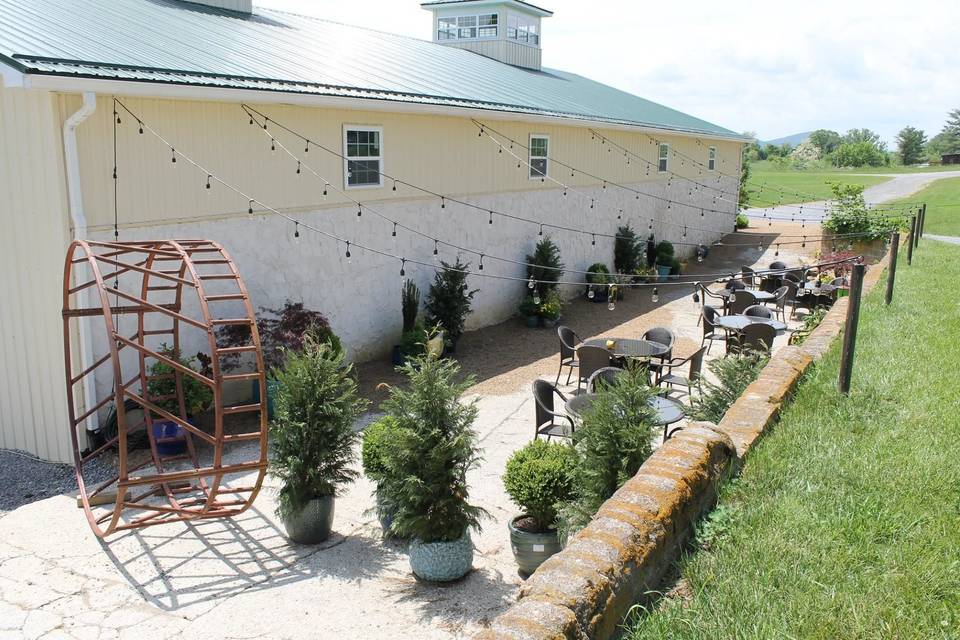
(312, 437)
(378, 438)
(544, 267)
(645, 274)
(598, 282)
(538, 478)
(425, 469)
(529, 309)
(628, 251)
(412, 342)
(550, 309)
(409, 306)
(169, 436)
(448, 301)
(664, 260)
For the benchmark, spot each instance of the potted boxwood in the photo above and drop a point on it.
(378, 438)
(538, 478)
(425, 470)
(312, 437)
(449, 300)
(169, 436)
(530, 310)
(664, 260)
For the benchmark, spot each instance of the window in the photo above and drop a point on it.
(712, 158)
(523, 29)
(664, 152)
(539, 150)
(467, 27)
(363, 148)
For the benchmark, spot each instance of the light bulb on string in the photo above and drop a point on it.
(306, 147)
(776, 252)
(733, 295)
(173, 155)
(480, 266)
(325, 185)
(531, 283)
(590, 293)
(611, 298)
(620, 215)
(265, 121)
(141, 127)
(403, 272)
(394, 233)
(490, 221)
(296, 231)
(541, 231)
(593, 240)
(536, 297)
(443, 202)
(359, 210)
(347, 254)
(696, 293)
(394, 185)
(436, 250)
(250, 208)
(656, 295)
(298, 167)
(208, 180)
(273, 144)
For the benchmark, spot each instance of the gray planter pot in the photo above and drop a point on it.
(530, 550)
(442, 561)
(313, 523)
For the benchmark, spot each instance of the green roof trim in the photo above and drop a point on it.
(173, 42)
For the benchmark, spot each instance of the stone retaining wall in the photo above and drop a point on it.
(622, 555)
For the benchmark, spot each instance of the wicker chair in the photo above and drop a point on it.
(749, 276)
(777, 265)
(603, 378)
(711, 332)
(743, 300)
(780, 300)
(694, 374)
(592, 359)
(754, 337)
(568, 352)
(546, 415)
(759, 311)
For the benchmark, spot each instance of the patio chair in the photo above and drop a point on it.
(839, 282)
(754, 337)
(665, 337)
(777, 265)
(749, 276)
(546, 415)
(780, 301)
(592, 359)
(603, 378)
(705, 293)
(735, 285)
(711, 332)
(743, 300)
(694, 373)
(568, 352)
(759, 311)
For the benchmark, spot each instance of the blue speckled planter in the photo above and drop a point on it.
(442, 561)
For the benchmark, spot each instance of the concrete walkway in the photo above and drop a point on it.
(950, 239)
(900, 185)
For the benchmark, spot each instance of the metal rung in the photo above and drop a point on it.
(241, 408)
(224, 296)
(227, 351)
(247, 321)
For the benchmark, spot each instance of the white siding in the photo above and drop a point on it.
(33, 239)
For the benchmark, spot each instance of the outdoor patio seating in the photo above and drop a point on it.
(758, 311)
(592, 359)
(749, 276)
(546, 415)
(735, 285)
(664, 336)
(568, 352)
(602, 377)
(706, 293)
(741, 301)
(780, 301)
(777, 265)
(711, 332)
(694, 373)
(754, 337)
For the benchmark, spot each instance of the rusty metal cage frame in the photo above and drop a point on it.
(165, 495)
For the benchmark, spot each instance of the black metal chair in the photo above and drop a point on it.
(694, 374)
(568, 352)
(780, 300)
(749, 276)
(603, 378)
(740, 301)
(754, 337)
(711, 332)
(546, 415)
(758, 311)
(592, 359)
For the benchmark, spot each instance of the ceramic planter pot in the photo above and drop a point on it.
(550, 323)
(272, 387)
(170, 437)
(533, 321)
(313, 523)
(442, 561)
(530, 550)
(663, 270)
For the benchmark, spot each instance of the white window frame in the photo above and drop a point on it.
(711, 158)
(476, 26)
(347, 159)
(663, 158)
(528, 25)
(531, 157)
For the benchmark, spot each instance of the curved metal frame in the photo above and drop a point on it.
(160, 271)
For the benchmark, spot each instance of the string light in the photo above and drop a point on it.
(531, 283)
(173, 155)
(306, 146)
(611, 298)
(590, 293)
(403, 272)
(296, 231)
(208, 180)
(394, 234)
(359, 210)
(298, 167)
(480, 267)
(490, 221)
(250, 208)
(696, 293)
(656, 295)
(347, 254)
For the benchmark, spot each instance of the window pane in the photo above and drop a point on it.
(468, 33)
(488, 20)
(538, 167)
(663, 164)
(467, 21)
(538, 147)
(488, 32)
(512, 33)
(446, 23)
(664, 150)
(535, 39)
(363, 172)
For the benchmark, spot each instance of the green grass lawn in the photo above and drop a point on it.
(845, 522)
(813, 185)
(943, 206)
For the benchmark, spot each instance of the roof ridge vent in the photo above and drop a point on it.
(239, 6)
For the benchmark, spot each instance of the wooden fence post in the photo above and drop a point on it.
(892, 267)
(850, 329)
(913, 232)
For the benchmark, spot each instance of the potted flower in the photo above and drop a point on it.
(170, 437)
(410, 306)
(538, 478)
(424, 471)
(550, 308)
(378, 438)
(529, 309)
(449, 300)
(312, 437)
(645, 274)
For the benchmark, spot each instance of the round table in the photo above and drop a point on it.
(630, 348)
(665, 410)
(739, 322)
(761, 296)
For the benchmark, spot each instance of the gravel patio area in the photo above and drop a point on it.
(241, 578)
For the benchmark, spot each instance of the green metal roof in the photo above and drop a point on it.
(172, 42)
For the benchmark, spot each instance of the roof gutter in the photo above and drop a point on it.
(79, 220)
(183, 91)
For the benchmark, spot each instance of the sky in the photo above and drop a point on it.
(775, 68)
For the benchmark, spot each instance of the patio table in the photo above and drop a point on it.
(761, 296)
(739, 322)
(665, 410)
(629, 347)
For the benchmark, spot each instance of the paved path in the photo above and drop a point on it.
(900, 185)
(950, 239)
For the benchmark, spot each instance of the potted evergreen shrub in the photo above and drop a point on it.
(664, 260)
(424, 476)
(449, 300)
(410, 307)
(169, 436)
(530, 310)
(628, 251)
(544, 267)
(312, 437)
(378, 438)
(538, 478)
(598, 281)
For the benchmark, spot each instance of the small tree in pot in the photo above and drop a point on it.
(312, 437)
(545, 267)
(538, 478)
(424, 472)
(448, 301)
(378, 439)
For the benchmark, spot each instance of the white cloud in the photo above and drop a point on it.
(772, 67)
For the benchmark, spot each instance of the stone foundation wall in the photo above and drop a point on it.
(622, 555)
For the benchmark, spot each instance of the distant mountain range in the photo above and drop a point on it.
(792, 140)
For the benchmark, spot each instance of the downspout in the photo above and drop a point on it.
(79, 219)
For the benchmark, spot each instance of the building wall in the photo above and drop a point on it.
(33, 241)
